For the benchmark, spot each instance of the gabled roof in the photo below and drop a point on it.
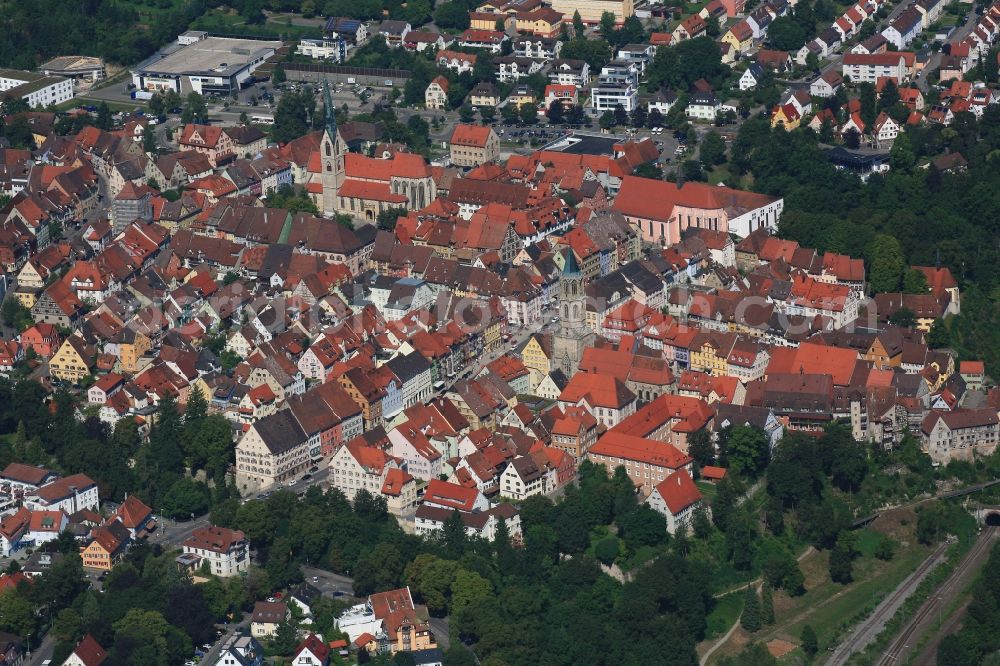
(450, 495)
(90, 652)
(132, 512)
(678, 491)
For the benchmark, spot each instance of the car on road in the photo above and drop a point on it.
(315, 579)
(314, 468)
(306, 477)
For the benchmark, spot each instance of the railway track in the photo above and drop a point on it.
(865, 632)
(899, 648)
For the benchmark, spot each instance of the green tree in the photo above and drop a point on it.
(889, 96)
(387, 218)
(148, 140)
(595, 52)
(748, 450)
(914, 282)
(467, 589)
(528, 113)
(195, 110)
(278, 75)
(869, 106)
(285, 640)
(886, 548)
(104, 121)
(621, 115)
(885, 258)
(555, 112)
(452, 16)
(902, 156)
(842, 561)
(809, 643)
(607, 550)
(293, 117)
(431, 579)
(186, 497)
(766, 605)
(750, 620)
(786, 34)
(17, 614)
(578, 27)
(143, 627)
(953, 652)
(643, 527)
(712, 150)
(607, 24)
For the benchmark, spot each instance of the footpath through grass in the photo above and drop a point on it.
(829, 608)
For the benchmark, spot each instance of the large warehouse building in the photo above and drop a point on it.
(203, 64)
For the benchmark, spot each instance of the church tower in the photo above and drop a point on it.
(333, 148)
(573, 335)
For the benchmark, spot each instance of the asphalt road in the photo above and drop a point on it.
(901, 648)
(212, 656)
(866, 632)
(329, 583)
(42, 652)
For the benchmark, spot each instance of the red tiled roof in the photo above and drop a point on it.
(814, 359)
(598, 389)
(678, 491)
(661, 454)
(315, 646)
(470, 135)
(132, 513)
(712, 472)
(360, 189)
(972, 368)
(450, 495)
(90, 652)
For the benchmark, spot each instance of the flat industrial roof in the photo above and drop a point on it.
(212, 55)
(585, 144)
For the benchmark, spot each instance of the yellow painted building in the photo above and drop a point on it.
(27, 297)
(591, 10)
(707, 357)
(536, 359)
(107, 547)
(522, 96)
(787, 116)
(131, 349)
(741, 42)
(73, 361)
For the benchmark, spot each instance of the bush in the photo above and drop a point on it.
(607, 550)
